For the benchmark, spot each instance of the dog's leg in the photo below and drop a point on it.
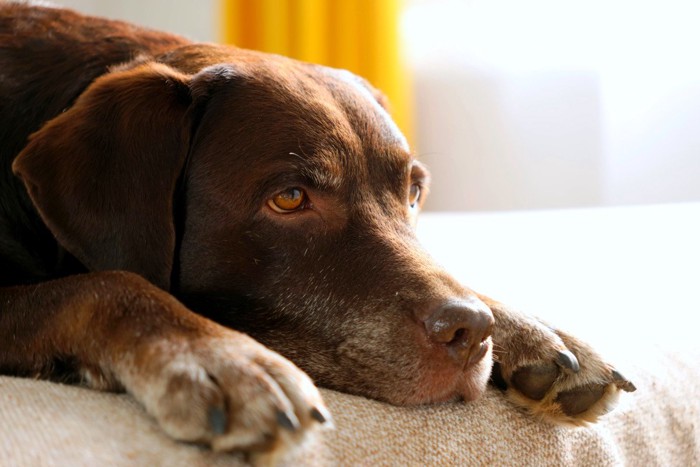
(202, 382)
(551, 373)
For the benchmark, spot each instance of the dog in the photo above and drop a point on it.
(182, 221)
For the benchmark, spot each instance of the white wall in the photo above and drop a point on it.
(510, 140)
(554, 103)
(196, 19)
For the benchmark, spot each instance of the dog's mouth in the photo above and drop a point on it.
(412, 371)
(442, 381)
(397, 355)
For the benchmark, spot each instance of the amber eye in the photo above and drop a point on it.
(414, 195)
(288, 200)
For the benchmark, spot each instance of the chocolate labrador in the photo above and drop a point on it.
(183, 221)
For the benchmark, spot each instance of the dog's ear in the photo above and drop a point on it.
(103, 174)
(380, 97)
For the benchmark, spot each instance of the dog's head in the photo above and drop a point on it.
(275, 197)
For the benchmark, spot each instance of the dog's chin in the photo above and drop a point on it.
(446, 386)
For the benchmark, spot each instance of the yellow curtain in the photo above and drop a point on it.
(359, 35)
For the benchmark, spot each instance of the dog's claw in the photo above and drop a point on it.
(217, 420)
(622, 382)
(287, 421)
(568, 360)
(319, 416)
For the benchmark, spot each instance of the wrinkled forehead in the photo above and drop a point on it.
(363, 108)
(327, 120)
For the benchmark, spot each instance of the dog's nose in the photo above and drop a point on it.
(463, 327)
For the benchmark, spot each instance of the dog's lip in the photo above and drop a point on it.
(453, 383)
(476, 357)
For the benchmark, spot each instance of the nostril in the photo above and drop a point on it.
(462, 327)
(459, 336)
(447, 326)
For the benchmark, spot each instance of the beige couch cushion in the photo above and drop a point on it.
(51, 424)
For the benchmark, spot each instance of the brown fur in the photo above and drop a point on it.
(125, 149)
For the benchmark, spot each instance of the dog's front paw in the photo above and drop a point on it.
(554, 375)
(224, 390)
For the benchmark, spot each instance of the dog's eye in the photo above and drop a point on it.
(414, 195)
(288, 200)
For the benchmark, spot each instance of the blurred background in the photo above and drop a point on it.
(513, 105)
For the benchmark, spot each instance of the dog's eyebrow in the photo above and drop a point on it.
(420, 172)
(322, 173)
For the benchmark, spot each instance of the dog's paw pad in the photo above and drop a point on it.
(579, 400)
(535, 381)
(558, 377)
(561, 396)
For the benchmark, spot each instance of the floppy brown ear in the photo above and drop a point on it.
(103, 173)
